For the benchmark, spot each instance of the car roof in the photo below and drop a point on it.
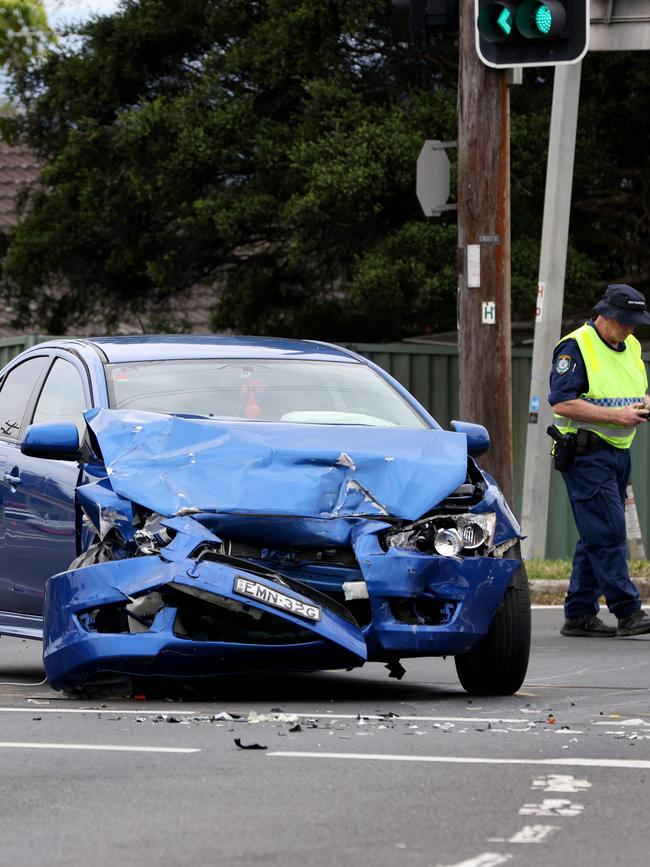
(157, 347)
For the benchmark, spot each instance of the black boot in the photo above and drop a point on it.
(637, 623)
(590, 626)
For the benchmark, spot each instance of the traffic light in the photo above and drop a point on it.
(531, 32)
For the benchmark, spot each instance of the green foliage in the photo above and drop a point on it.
(582, 275)
(24, 32)
(267, 149)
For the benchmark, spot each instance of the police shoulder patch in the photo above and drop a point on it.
(563, 363)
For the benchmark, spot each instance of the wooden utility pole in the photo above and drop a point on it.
(484, 341)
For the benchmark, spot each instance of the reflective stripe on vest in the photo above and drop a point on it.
(615, 379)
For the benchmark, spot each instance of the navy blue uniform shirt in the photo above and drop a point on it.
(568, 379)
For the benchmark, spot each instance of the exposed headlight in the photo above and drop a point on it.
(447, 535)
(448, 542)
(475, 530)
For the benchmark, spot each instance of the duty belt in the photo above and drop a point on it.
(587, 441)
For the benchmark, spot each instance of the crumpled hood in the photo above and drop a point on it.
(169, 463)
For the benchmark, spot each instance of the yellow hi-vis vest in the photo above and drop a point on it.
(615, 379)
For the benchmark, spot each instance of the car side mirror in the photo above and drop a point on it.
(58, 441)
(478, 438)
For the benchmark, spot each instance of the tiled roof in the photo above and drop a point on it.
(18, 168)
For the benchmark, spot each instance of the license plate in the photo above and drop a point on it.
(262, 593)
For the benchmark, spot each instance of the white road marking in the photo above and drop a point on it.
(533, 833)
(551, 807)
(468, 760)
(105, 747)
(560, 783)
(486, 859)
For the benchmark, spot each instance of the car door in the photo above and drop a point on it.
(17, 392)
(40, 531)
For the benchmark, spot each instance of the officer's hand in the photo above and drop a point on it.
(631, 416)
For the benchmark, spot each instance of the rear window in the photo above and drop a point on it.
(298, 392)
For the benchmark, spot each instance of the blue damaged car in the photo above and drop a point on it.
(176, 508)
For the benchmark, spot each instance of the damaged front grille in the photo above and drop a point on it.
(198, 615)
(343, 556)
(227, 620)
(209, 554)
(202, 615)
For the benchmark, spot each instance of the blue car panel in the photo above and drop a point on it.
(277, 469)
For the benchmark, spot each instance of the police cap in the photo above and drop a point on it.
(625, 304)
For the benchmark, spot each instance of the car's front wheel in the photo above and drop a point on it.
(497, 664)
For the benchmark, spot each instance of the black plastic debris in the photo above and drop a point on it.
(248, 746)
(395, 669)
(296, 728)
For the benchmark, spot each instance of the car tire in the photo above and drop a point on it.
(497, 664)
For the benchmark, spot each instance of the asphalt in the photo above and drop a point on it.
(552, 591)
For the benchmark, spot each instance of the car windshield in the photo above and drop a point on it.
(294, 391)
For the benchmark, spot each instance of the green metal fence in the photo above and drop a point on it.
(431, 374)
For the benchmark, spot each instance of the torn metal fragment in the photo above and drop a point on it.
(395, 669)
(249, 746)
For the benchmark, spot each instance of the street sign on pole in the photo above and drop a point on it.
(432, 178)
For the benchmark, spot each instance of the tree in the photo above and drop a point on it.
(265, 148)
(24, 32)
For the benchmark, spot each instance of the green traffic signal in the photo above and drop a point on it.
(504, 21)
(540, 20)
(543, 19)
(496, 21)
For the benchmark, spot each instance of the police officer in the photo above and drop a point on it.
(598, 392)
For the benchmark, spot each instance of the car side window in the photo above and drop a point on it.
(15, 394)
(62, 397)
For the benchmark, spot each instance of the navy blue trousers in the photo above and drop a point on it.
(596, 485)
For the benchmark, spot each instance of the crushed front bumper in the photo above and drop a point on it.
(206, 618)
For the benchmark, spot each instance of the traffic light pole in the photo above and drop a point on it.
(550, 297)
(484, 343)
